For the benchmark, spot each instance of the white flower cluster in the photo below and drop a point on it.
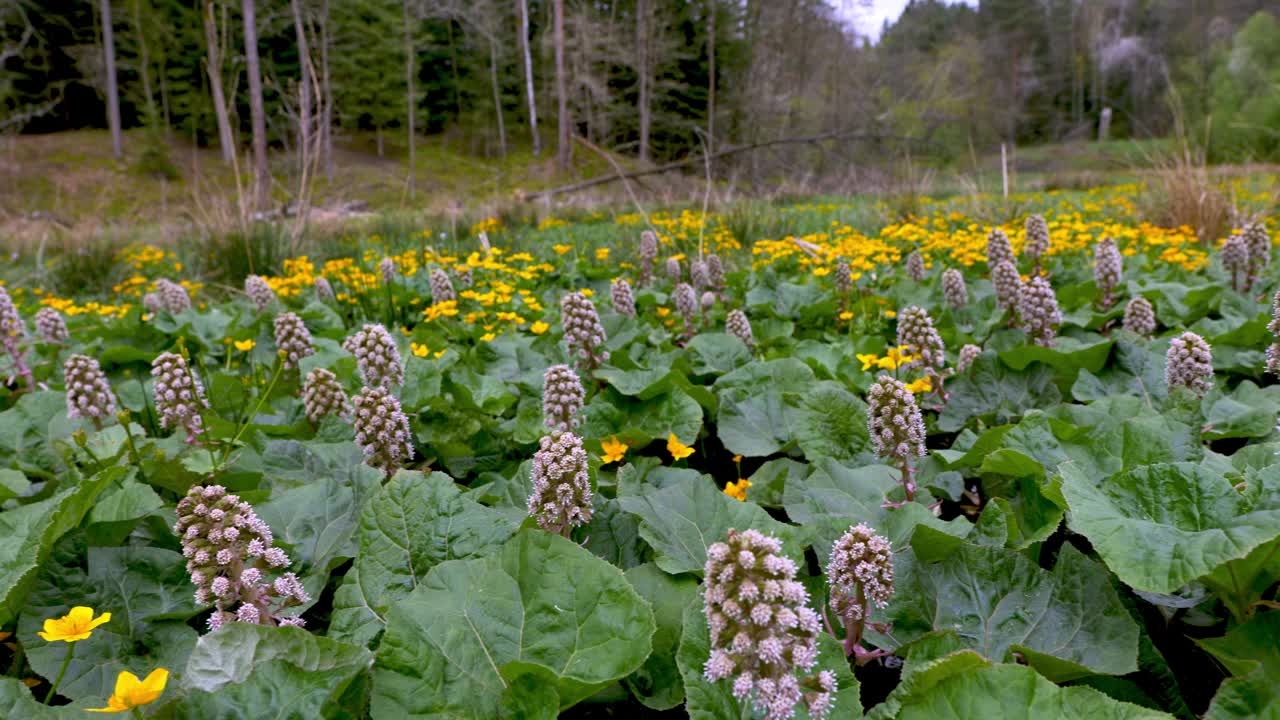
(229, 552)
(179, 395)
(376, 355)
(561, 497)
(382, 429)
(763, 632)
(293, 340)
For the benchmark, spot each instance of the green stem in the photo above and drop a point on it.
(277, 371)
(71, 648)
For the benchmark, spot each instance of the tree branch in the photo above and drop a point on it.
(725, 152)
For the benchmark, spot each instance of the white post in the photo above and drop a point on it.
(1004, 170)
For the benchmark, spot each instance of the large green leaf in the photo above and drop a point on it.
(754, 417)
(829, 421)
(287, 672)
(1161, 526)
(681, 521)
(834, 497)
(27, 534)
(991, 391)
(715, 701)
(412, 524)
(657, 684)
(1067, 622)
(540, 606)
(964, 686)
(150, 598)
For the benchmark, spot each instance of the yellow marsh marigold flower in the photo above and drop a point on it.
(890, 314)
(924, 384)
(737, 490)
(78, 624)
(131, 692)
(419, 349)
(561, 248)
(539, 327)
(245, 345)
(868, 360)
(613, 449)
(846, 315)
(678, 450)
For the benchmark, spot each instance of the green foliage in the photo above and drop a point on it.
(1074, 526)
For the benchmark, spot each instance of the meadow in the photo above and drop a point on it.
(947, 457)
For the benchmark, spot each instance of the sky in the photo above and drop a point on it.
(868, 16)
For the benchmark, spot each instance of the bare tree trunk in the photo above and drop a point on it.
(408, 76)
(304, 92)
(711, 76)
(523, 7)
(326, 118)
(562, 96)
(213, 67)
(113, 92)
(258, 115)
(497, 95)
(643, 21)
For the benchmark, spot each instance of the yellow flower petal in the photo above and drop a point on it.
(613, 449)
(678, 450)
(77, 624)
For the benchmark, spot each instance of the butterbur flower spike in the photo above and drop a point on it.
(860, 573)
(324, 291)
(173, 297)
(715, 272)
(999, 249)
(179, 395)
(1258, 241)
(954, 290)
(1189, 364)
(844, 279)
(624, 302)
(322, 395)
(1140, 317)
(896, 427)
(376, 355)
(387, 268)
(1273, 352)
(698, 276)
(1235, 260)
(12, 332)
(686, 301)
(583, 332)
(968, 354)
(1008, 284)
(673, 270)
(293, 340)
(441, 286)
(562, 397)
(915, 266)
(1037, 239)
(88, 393)
(763, 632)
(648, 255)
(51, 326)
(917, 333)
(1108, 267)
(1038, 313)
(230, 555)
(561, 497)
(382, 430)
(259, 292)
(737, 325)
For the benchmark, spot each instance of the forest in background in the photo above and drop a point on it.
(649, 81)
